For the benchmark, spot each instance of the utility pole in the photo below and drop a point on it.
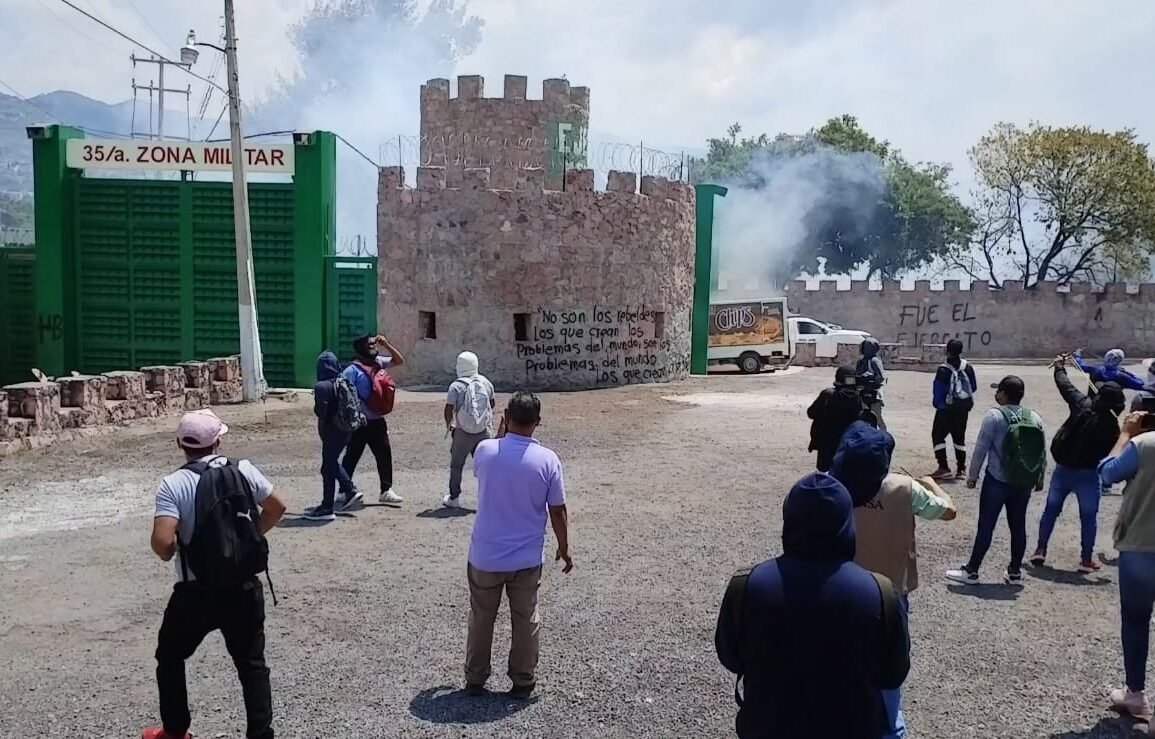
(159, 89)
(252, 363)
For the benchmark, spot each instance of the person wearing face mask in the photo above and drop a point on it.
(368, 373)
(1080, 444)
(1110, 371)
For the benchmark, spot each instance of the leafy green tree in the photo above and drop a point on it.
(903, 218)
(1063, 204)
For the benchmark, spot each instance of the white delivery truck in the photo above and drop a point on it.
(749, 333)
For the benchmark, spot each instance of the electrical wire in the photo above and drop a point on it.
(150, 50)
(150, 26)
(345, 141)
(252, 136)
(74, 29)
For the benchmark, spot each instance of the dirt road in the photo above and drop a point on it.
(671, 489)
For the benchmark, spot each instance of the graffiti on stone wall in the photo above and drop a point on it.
(618, 346)
(938, 323)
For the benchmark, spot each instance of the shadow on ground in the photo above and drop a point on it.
(444, 512)
(1067, 577)
(987, 591)
(1107, 728)
(447, 704)
(294, 521)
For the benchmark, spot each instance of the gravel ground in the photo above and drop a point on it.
(671, 489)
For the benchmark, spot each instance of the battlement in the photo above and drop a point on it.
(391, 183)
(554, 92)
(1111, 291)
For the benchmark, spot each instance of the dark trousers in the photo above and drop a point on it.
(1136, 596)
(333, 475)
(375, 435)
(953, 423)
(993, 498)
(1087, 488)
(193, 612)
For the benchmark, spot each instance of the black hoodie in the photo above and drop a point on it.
(809, 625)
(325, 394)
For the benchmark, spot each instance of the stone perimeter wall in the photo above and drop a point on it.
(506, 133)
(553, 290)
(35, 414)
(1006, 323)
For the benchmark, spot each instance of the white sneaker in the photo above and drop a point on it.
(390, 497)
(353, 501)
(449, 502)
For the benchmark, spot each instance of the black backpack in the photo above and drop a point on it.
(227, 547)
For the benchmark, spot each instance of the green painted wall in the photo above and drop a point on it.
(705, 273)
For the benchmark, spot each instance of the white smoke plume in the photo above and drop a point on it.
(768, 228)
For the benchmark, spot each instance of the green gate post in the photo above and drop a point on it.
(315, 237)
(56, 317)
(705, 275)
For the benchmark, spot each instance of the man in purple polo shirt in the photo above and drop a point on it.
(519, 481)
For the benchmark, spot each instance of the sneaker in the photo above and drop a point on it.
(475, 690)
(1130, 702)
(451, 502)
(961, 474)
(1039, 558)
(391, 497)
(156, 732)
(320, 513)
(352, 500)
(1090, 565)
(521, 692)
(942, 473)
(963, 575)
(1013, 578)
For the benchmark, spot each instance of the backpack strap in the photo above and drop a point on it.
(890, 605)
(736, 594)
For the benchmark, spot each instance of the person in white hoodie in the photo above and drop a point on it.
(468, 416)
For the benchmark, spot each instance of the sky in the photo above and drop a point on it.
(930, 77)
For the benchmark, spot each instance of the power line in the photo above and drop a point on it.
(74, 29)
(150, 50)
(151, 27)
(354, 148)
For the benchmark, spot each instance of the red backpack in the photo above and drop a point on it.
(382, 389)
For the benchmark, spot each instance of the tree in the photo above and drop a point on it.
(1062, 204)
(869, 206)
(349, 47)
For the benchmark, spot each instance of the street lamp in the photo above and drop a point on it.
(252, 362)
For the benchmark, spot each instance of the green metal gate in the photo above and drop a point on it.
(350, 301)
(17, 313)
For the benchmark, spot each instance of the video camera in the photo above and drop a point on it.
(1147, 405)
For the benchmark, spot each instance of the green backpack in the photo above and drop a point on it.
(1024, 448)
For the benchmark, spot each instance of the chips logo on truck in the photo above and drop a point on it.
(749, 333)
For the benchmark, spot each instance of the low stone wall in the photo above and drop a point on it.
(925, 358)
(35, 414)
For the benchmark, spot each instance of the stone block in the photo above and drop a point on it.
(515, 86)
(531, 179)
(617, 181)
(430, 179)
(16, 428)
(39, 402)
(476, 178)
(168, 380)
(555, 93)
(126, 385)
(197, 375)
(224, 393)
(225, 369)
(654, 187)
(470, 86)
(3, 408)
(73, 418)
(933, 353)
(579, 97)
(82, 391)
(196, 398)
(579, 180)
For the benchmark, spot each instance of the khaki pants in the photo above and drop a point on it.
(484, 601)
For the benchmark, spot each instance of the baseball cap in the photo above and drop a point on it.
(200, 429)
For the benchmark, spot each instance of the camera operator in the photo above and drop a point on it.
(831, 414)
(871, 377)
(1133, 460)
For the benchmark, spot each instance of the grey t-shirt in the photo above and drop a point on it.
(457, 395)
(176, 498)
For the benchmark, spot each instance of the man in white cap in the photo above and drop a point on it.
(218, 559)
(468, 416)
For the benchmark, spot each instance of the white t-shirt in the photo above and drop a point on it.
(177, 495)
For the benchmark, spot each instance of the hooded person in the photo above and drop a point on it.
(1083, 441)
(872, 376)
(468, 416)
(334, 437)
(360, 373)
(953, 399)
(1111, 370)
(831, 413)
(810, 624)
(885, 507)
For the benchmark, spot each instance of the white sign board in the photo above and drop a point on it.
(196, 156)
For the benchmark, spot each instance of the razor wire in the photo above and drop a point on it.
(476, 150)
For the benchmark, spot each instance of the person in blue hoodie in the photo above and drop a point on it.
(333, 442)
(953, 399)
(811, 626)
(1110, 371)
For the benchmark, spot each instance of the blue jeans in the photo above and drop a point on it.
(1087, 489)
(893, 698)
(993, 498)
(1136, 596)
(332, 473)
